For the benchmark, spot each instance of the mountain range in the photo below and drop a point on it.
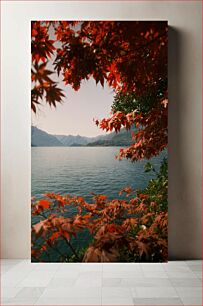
(40, 138)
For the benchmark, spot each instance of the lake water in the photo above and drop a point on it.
(82, 170)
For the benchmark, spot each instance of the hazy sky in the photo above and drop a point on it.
(75, 115)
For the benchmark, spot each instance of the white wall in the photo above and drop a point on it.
(184, 115)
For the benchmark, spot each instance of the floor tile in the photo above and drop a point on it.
(152, 267)
(123, 274)
(90, 274)
(9, 292)
(155, 274)
(116, 292)
(112, 282)
(67, 273)
(172, 283)
(94, 267)
(146, 282)
(70, 266)
(196, 268)
(154, 292)
(122, 268)
(6, 268)
(176, 268)
(69, 301)
(198, 274)
(157, 301)
(88, 282)
(30, 292)
(4, 301)
(16, 274)
(176, 263)
(61, 282)
(185, 282)
(192, 301)
(72, 292)
(117, 301)
(46, 267)
(193, 262)
(21, 301)
(177, 274)
(36, 279)
(189, 291)
(91, 278)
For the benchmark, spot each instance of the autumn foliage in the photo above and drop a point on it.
(131, 58)
(129, 229)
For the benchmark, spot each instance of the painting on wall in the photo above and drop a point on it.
(99, 103)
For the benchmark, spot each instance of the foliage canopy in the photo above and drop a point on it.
(131, 58)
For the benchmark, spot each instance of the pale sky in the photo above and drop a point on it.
(75, 115)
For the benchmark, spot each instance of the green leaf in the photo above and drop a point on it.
(148, 167)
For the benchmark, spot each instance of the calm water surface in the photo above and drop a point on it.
(82, 170)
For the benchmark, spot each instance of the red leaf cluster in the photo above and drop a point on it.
(42, 47)
(131, 57)
(151, 136)
(137, 225)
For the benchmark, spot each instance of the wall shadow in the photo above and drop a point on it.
(184, 210)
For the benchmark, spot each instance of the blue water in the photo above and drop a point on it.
(82, 170)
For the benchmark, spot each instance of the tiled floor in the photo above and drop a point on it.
(173, 283)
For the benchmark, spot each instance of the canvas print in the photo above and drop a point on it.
(99, 103)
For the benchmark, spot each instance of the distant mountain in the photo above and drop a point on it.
(40, 138)
(70, 140)
(43, 139)
(123, 138)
